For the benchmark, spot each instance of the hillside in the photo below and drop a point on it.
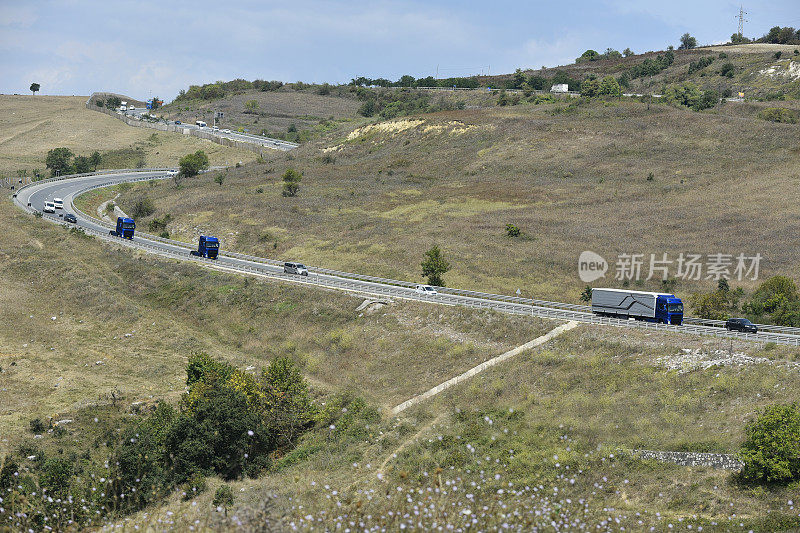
(116, 341)
(611, 177)
(32, 125)
(756, 73)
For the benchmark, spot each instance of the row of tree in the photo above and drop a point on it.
(62, 161)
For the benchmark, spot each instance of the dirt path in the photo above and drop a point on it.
(413, 438)
(481, 367)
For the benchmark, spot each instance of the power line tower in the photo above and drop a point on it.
(742, 20)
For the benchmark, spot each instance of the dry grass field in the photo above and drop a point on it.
(32, 125)
(571, 177)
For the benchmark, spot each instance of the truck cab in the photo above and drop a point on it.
(207, 247)
(125, 228)
(669, 309)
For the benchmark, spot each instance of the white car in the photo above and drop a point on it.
(226, 130)
(425, 289)
(49, 207)
(215, 128)
(131, 108)
(58, 203)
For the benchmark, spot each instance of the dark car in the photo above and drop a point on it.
(69, 217)
(177, 122)
(741, 324)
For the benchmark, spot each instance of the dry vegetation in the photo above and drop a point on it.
(276, 111)
(573, 178)
(32, 125)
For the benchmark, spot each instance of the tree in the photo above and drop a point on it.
(590, 87)
(219, 179)
(586, 295)
(738, 38)
(223, 498)
(588, 55)
(610, 87)
(291, 182)
(192, 164)
(82, 165)
(95, 159)
(35, 88)
(434, 266)
(727, 70)
(251, 105)
(627, 52)
(58, 160)
(771, 450)
(687, 42)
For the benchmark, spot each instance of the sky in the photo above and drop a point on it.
(150, 48)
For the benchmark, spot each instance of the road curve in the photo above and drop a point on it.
(32, 198)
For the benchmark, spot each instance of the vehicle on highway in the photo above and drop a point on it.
(215, 128)
(178, 122)
(657, 307)
(226, 130)
(49, 207)
(740, 324)
(425, 289)
(207, 247)
(123, 108)
(72, 219)
(131, 107)
(125, 228)
(295, 268)
(59, 203)
(200, 124)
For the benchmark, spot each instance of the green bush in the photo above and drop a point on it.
(195, 485)
(291, 182)
(142, 206)
(771, 450)
(223, 498)
(778, 114)
(38, 426)
(192, 164)
(727, 70)
(512, 230)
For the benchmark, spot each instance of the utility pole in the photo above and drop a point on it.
(742, 20)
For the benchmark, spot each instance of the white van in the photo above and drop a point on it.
(201, 124)
(49, 207)
(58, 203)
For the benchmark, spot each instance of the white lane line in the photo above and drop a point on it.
(483, 366)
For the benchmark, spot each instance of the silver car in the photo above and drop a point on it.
(295, 268)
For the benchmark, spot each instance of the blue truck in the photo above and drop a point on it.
(640, 305)
(207, 247)
(125, 228)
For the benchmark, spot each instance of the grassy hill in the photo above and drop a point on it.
(32, 125)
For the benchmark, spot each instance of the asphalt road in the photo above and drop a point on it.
(235, 135)
(33, 197)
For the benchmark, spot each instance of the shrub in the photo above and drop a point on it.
(771, 450)
(291, 182)
(650, 177)
(727, 70)
(586, 295)
(196, 484)
(223, 498)
(512, 230)
(38, 426)
(142, 206)
(778, 114)
(160, 224)
(192, 164)
(777, 54)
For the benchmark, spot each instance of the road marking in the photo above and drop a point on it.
(483, 366)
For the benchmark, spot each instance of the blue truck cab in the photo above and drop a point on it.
(669, 309)
(125, 228)
(207, 247)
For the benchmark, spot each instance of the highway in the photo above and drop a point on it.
(32, 197)
(268, 142)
